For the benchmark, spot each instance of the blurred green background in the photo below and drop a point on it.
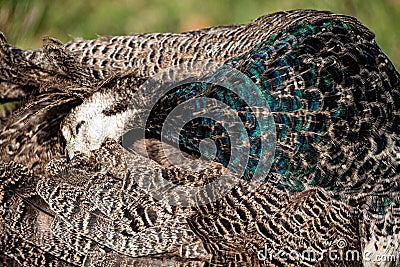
(26, 22)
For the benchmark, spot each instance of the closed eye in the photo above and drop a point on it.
(78, 126)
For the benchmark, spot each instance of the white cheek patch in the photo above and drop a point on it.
(101, 127)
(96, 126)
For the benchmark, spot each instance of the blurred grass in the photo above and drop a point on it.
(26, 22)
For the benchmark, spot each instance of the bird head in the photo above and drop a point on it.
(86, 127)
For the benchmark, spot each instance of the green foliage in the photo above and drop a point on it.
(25, 22)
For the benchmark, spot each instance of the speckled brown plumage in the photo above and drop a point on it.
(80, 68)
(334, 175)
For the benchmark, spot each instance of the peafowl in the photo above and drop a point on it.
(332, 180)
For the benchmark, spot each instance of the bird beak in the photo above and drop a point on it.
(69, 150)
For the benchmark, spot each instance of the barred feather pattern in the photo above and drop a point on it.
(335, 101)
(82, 67)
(332, 118)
